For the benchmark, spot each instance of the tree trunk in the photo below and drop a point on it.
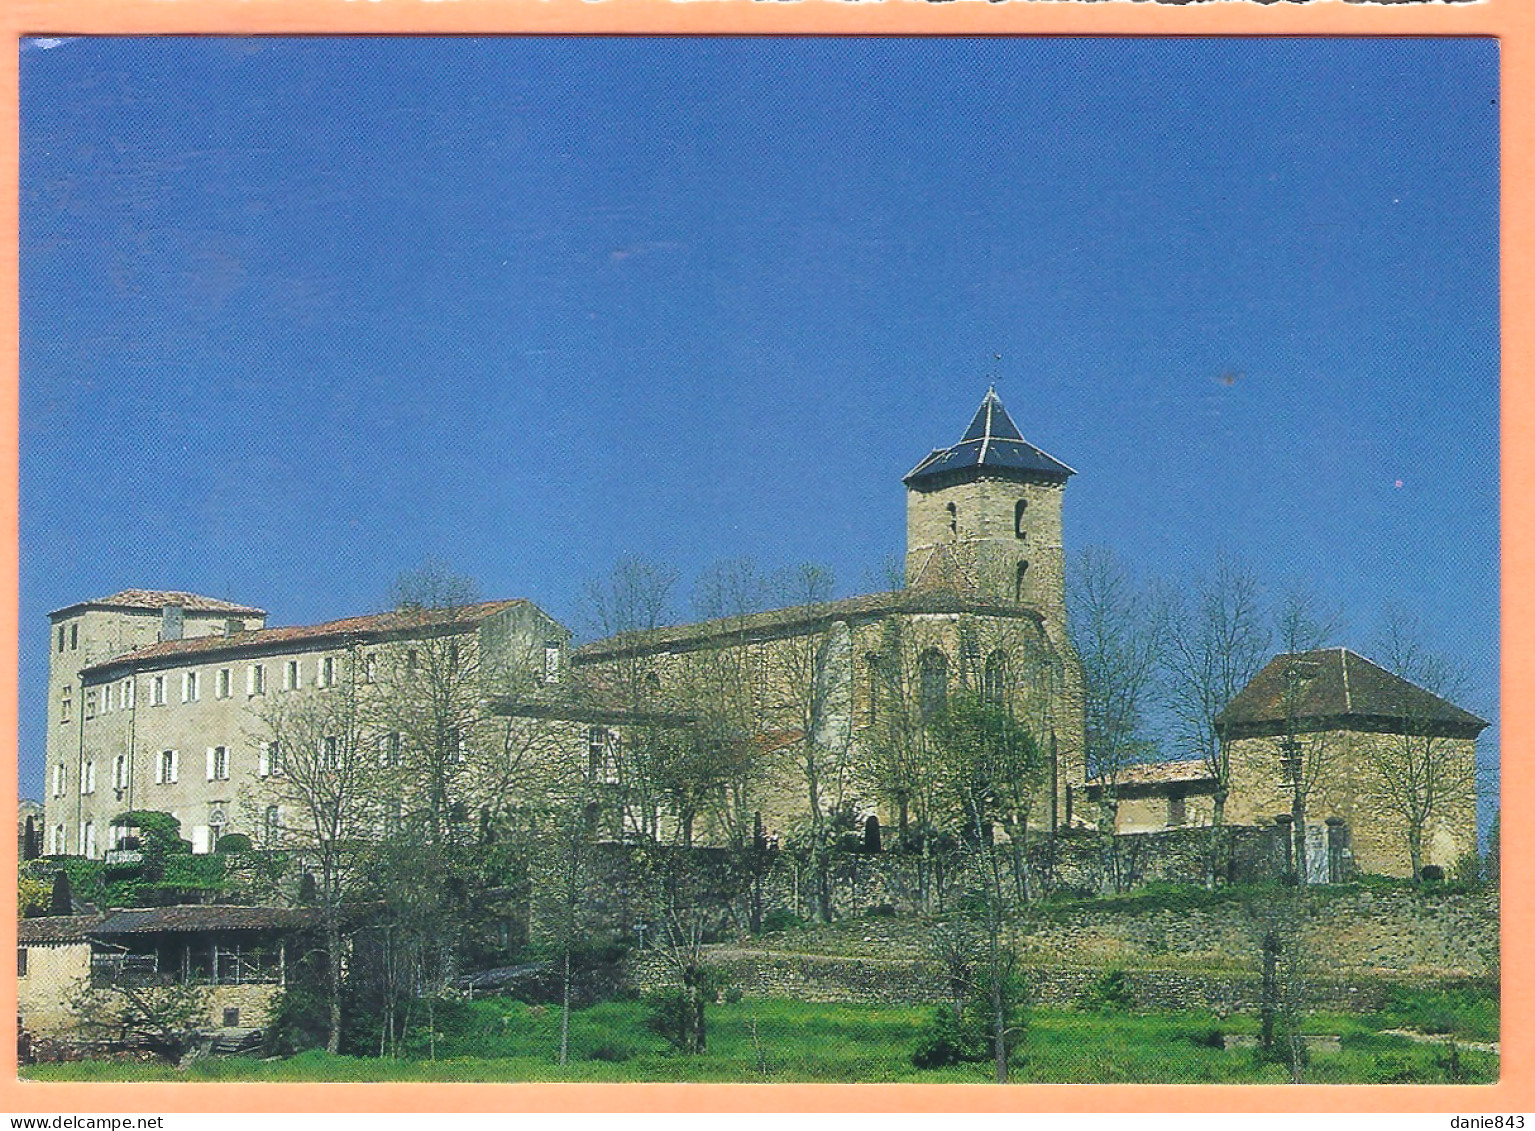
(1298, 831)
(565, 1010)
(333, 981)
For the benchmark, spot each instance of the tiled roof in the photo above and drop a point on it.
(1159, 773)
(783, 622)
(991, 445)
(203, 917)
(55, 929)
(400, 622)
(1337, 686)
(163, 598)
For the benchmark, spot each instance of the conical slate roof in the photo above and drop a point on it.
(1334, 688)
(992, 445)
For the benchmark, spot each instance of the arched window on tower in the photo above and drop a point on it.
(933, 676)
(1023, 568)
(953, 521)
(994, 682)
(1018, 509)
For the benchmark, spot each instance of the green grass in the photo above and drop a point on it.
(501, 1040)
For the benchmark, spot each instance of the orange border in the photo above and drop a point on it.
(1504, 19)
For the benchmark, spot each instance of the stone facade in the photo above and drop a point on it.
(166, 708)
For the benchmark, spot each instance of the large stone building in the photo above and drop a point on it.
(167, 702)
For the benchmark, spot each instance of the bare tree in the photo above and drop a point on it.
(162, 1016)
(1118, 634)
(632, 601)
(1216, 641)
(810, 673)
(1303, 624)
(1423, 769)
(319, 799)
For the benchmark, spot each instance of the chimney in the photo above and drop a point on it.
(170, 622)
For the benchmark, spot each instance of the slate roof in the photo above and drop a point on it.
(1334, 687)
(55, 929)
(397, 623)
(992, 445)
(202, 917)
(776, 623)
(160, 599)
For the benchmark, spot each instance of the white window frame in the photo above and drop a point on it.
(255, 680)
(120, 772)
(189, 687)
(87, 779)
(326, 675)
(157, 691)
(551, 662)
(127, 696)
(291, 675)
(217, 763)
(221, 684)
(60, 779)
(59, 839)
(167, 767)
(66, 703)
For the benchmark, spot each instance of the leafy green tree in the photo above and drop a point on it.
(989, 766)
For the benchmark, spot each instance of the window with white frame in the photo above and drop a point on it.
(167, 767)
(327, 672)
(271, 824)
(189, 689)
(218, 763)
(66, 703)
(370, 667)
(90, 702)
(58, 839)
(127, 694)
(290, 675)
(331, 750)
(255, 680)
(552, 661)
(221, 684)
(88, 839)
(157, 691)
(120, 772)
(59, 778)
(269, 760)
(88, 779)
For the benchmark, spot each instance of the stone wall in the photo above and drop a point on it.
(1355, 945)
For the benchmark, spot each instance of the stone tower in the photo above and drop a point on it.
(984, 516)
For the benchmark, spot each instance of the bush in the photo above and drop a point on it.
(948, 1040)
(611, 1052)
(1109, 993)
(780, 920)
(233, 842)
(1208, 1039)
(733, 994)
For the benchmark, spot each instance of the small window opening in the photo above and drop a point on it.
(953, 520)
(1023, 568)
(1018, 510)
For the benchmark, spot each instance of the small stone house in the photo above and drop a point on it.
(241, 955)
(1369, 752)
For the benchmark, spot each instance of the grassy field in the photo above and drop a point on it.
(776, 1040)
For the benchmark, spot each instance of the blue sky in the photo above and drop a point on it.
(298, 314)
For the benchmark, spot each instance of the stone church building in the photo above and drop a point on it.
(157, 699)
